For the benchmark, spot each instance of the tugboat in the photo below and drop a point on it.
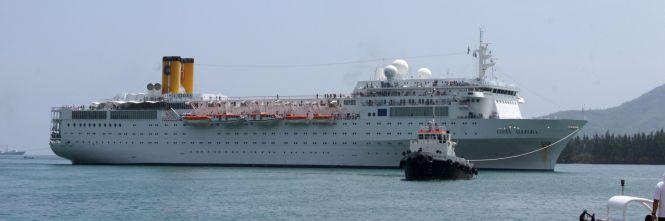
(432, 156)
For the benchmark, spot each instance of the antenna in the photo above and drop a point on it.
(484, 58)
(623, 182)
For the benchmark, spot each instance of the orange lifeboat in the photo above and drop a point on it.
(323, 118)
(196, 120)
(296, 119)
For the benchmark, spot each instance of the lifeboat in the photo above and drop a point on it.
(323, 118)
(229, 119)
(296, 119)
(196, 120)
(262, 118)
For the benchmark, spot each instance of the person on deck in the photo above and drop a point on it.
(657, 205)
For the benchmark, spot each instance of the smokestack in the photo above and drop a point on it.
(166, 71)
(188, 75)
(174, 78)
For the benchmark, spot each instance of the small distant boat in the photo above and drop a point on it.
(12, 152)
(432, 156)
(296, 119)
(197, 120)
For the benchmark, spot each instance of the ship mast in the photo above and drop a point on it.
(485, 60)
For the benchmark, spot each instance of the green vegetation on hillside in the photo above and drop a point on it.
(639, 148)
(642, 114)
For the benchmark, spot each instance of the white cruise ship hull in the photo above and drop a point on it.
(522, 144)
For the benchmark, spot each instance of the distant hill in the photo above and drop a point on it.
(643, 114)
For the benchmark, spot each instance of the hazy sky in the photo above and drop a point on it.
(563, 54)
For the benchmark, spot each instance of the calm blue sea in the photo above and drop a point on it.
(49, 188)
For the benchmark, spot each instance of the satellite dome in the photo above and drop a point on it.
(402, 67)
(150, 86)
(390, 72)
(424, 73)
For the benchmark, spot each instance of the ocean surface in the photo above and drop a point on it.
(49, 188)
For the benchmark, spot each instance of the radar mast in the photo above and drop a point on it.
(484, 56)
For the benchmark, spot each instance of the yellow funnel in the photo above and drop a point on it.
(188, 75)
(166, 71)
(174, 78)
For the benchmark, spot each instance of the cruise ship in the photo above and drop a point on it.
(371, 127)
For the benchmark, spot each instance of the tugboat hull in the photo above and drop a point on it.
(424, 166)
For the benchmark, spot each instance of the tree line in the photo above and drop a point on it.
(639, 148)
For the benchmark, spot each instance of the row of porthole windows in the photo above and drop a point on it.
(112, 125)
(506, 102)
(255, 152)
(123, 134)
(271, 152)
(156, 125)
(287, 133)
(420, 123)
(234, 142)
(93, 125)
(306, 133)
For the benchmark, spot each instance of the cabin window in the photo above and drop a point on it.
(441, 111)
(382, 112)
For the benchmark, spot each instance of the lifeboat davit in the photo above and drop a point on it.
(323, 118)
(196, 120)
(228, 119)
(262, 118)
(296, 119)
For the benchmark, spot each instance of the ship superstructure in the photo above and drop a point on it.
(371, 127)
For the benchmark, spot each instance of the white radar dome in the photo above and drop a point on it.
(424, 73)
(390, 72)
(402, 68)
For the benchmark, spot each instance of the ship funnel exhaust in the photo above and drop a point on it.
(188, 75)
(174, 78)
(177, 75)
(166, 72)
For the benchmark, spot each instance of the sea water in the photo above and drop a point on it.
(50, 188)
